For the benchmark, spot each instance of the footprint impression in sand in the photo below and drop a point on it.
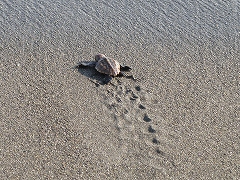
(127, 108)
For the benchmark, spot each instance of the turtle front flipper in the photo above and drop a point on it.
(125, 68)
(86, 64)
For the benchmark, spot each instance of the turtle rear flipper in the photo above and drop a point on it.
(125, 68)
(126, 76)
(107, 79)
(86, 64)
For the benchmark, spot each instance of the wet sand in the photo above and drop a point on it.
(179, 120)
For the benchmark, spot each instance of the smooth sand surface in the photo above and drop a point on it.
(179, 120)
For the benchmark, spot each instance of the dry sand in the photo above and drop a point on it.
(179, 120)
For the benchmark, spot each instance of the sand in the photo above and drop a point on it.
(179, 120)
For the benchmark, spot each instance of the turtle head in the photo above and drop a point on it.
(99, 56)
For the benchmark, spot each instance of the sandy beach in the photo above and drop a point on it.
(180, 119)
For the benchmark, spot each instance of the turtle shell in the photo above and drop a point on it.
(108, 66)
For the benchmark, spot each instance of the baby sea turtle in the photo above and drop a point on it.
(108, 66)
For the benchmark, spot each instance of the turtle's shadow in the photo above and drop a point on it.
(93, 74)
